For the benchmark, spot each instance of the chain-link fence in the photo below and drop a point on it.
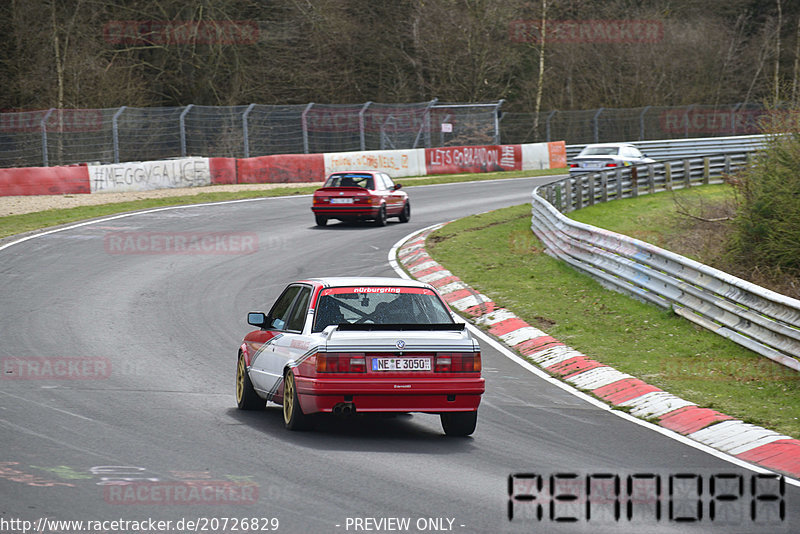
(634, 124)
(70, 136)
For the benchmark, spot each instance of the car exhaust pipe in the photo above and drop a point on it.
(344, 409)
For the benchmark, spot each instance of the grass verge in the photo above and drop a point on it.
(17, 224)
(497, 254)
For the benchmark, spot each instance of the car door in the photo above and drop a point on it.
(394, 197)
(264, 362)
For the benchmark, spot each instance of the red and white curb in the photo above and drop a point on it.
(747, 442)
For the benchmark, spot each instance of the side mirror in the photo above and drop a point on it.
(397, 186)
(258, 319)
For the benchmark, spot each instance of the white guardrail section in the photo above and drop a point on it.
(761, 320)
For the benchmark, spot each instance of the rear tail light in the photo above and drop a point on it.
(611, 164)
(458, 362)
(574, 165)
(348, 362)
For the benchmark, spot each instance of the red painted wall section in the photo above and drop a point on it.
(44, 180)
(282, 169)
(462, 159)
(223, 170)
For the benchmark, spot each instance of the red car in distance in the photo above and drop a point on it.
(360, 196)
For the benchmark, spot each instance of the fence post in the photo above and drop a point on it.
(182, 123)
(361, 126)
(425, 126)
(618, 173)
(641, 122)
(304, 123)
(547, 124)
(597, 125)
(115, 132)
(497, 121)
(634, 182)
(706, 169)
(733, 117)
(245, 130)
(44, 135)
(591, 181)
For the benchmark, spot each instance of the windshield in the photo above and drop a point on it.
(379, 305)
(600, 151)
(350, 180)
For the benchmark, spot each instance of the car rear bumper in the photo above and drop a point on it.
(433, 395)
(349, 212)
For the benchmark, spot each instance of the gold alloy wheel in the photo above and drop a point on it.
(288, 398)
(240, 374)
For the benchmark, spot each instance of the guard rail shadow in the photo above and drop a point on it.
(757, 318)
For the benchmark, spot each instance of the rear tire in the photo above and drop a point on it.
(380, 220)
(321, 221)
(459, 423)
(405, 215)
(293, 416)
(246, 396)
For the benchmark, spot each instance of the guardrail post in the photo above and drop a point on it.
(182, 124)
(619, 182)
(604, 186)
(651, 179)
(115, 132)
(706, 170)
(558, 198)
(591, 179)
(304, 124)
(568, 196)
(634, 182)
(245, 130)
(687, 173)
(727, 169)
(667, 176)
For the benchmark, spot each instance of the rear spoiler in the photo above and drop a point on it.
(403, 326)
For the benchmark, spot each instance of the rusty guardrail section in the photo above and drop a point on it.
(757, 318)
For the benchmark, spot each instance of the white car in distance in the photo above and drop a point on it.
(606, 156)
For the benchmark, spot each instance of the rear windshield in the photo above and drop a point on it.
(600, 151)
(350, 180)
(379, 305)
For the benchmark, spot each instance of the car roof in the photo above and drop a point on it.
(371, 281)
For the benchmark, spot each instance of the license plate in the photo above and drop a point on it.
(341, 201)
(401, 364)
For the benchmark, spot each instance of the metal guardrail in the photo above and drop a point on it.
(665, 149)
(757, 318)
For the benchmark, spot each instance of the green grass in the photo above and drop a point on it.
(17, 224)
(497, 254)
